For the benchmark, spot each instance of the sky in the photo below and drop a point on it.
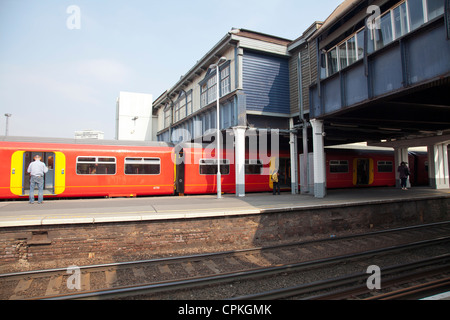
(63, 63)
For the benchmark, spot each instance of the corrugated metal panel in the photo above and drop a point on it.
(293, 81)
(266, 82)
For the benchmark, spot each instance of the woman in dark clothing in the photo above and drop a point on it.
(403, 174)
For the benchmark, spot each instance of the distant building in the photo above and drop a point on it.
(89, 134)
(134, 117)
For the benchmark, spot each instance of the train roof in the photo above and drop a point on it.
(96, 142)
(358, 146)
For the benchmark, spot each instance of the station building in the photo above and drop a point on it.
(253, 90)
(375, 71)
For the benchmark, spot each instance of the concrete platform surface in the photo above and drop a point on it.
(75, 211)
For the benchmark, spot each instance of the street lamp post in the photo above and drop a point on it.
(7, 115)
(219, 176)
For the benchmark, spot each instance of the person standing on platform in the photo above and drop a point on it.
(275, 182)
(37, 169)
(403, 174)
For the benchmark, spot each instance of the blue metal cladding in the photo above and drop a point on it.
(421, 56)
(266, 82)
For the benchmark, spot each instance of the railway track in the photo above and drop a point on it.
(182, 273)
(433, 272)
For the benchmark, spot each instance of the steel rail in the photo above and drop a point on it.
(347, 280)
(420, 290)
(127, 291)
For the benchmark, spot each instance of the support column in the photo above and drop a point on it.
(239, 142)
(320, 181)
(400, 155)
(294, 158)
(438, 166)
(306, 166)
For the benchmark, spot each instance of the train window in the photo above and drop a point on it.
(253, 166)
(142, 166)
(338, 166)
(96, 165)
(385, 166)
(209, 166)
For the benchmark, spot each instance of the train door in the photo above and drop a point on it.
(54, 179)
(49, 178)
(285, 173)
(362, 171)
(179, 173)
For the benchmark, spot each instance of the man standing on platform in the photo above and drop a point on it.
(37, 169)
(276, 183)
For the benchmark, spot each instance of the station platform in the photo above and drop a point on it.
(91, 211)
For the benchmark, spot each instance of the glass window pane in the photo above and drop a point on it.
(415, 13)
(338, 166)
(435, 8)
(332, 61)
(343, 55)
(385, 166)
(209, 166)
(400, 20)
(351, 50)
(384, 35)
(360, 41)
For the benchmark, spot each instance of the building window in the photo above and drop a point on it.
(208, 85)
(338, 166)
(167, 117)
(180, 108)
(385, 166)
(416, 18)
(343, 55)
(352, 55)
(332, 61)
(96, 165)
(225, 83)
(400, 20)
(189, 103)
(435, 8)
(360, 44)
(142, 166)
(209, 166)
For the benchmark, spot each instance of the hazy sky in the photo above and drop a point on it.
(56, 80)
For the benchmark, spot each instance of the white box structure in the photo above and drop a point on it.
(89, 134)
(134, 116)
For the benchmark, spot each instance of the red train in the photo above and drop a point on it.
(80, 168)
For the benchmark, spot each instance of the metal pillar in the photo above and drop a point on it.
(294, 158)
(320, 179)
(239, 140)
(438, 166)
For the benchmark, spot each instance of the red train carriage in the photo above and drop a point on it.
(83, 169)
